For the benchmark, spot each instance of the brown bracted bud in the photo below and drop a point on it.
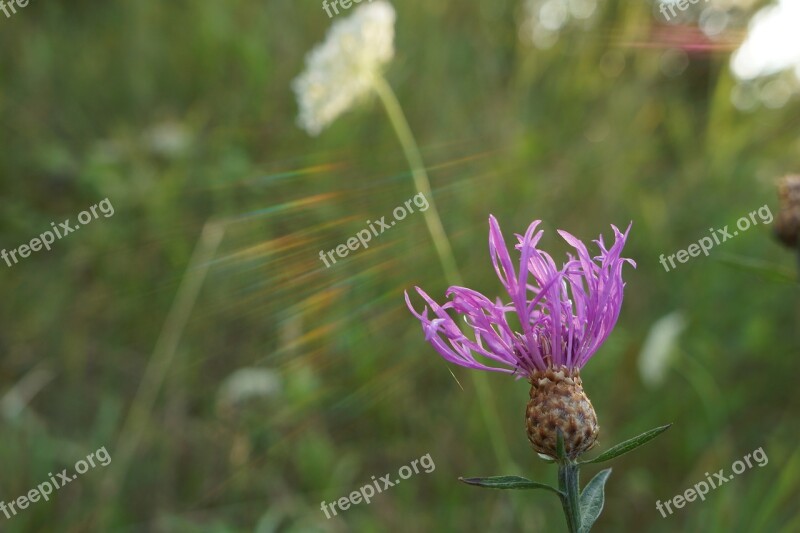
(787, 223)
(558, 401)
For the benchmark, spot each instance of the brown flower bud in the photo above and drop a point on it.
(559, 402)
(787, 223)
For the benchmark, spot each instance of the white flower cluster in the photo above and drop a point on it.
(772, 44)
(339, 71)
(767, 64)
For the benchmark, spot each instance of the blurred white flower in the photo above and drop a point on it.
(340, 70)
(248, 383)
(168, 139)
(659, 348)
(772, 43)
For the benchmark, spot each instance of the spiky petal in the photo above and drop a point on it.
(565, 313)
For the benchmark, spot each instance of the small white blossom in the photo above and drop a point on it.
(340, 70)
(772, 44)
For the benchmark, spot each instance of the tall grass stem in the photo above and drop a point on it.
(445, 252)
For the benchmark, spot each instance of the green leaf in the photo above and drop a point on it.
(628, 445)
(507, 482)
(592, 499)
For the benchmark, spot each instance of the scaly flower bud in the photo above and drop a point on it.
(787, 223)
(558, 402)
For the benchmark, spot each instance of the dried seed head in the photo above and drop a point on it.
(558, 402)
(787, 223)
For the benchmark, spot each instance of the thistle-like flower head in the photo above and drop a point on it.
(339, 71)
(564, 314)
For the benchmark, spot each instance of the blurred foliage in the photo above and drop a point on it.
(180, 112)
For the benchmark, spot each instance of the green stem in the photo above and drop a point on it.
(420, 177)
(160, 362)
(443, 249)
(568, 479)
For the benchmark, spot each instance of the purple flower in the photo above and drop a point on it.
(565, 314)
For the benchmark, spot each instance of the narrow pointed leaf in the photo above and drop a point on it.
(507, 482)
(628, 445)
(592, 499)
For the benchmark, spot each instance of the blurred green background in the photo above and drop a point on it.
(291, 383)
